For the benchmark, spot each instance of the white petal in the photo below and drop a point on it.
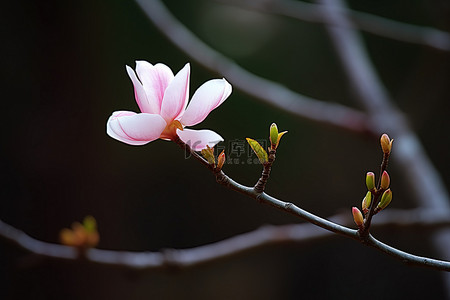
(198, 139)
(176, 96)
(135, 129)
(206, 98)
(139, 92)
(155, 79)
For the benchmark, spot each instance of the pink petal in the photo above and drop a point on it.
(176, 96)
(198, 139)
(139, 92)
(206, 98)
(155, 80)
(135, 129)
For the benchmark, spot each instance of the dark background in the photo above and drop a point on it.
(63, 66)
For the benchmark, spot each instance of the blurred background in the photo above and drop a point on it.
(63, 66)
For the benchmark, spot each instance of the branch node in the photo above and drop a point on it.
(288, 205)
(259, 196)
(170, 260)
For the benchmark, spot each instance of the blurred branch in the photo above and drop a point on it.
(262, 237)
(426, 185)
(370, 23)
(235, 245)
(268, 91)
(383, 113)
(409, 154)
(370, 91)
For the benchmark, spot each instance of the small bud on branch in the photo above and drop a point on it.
(385, 180)
(81, 235)
(275, 136)
(370, 181)
(221, 160)
(366, 202)
(358, 217)
(386, 143)
(385, 200)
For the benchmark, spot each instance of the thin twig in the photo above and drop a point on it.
(262, 181)
(291, 208)
(267, 91)
(424, 181)
(211, 252)
(377, 193)
(265, 236)
(409, 153)
(370, 23)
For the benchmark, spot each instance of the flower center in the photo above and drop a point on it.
(170, 132)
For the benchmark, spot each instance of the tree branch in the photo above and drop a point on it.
(268, 91)
(424, 181)
(233, 246)
(266, 235)
(370, 23)
(369, 90)
(409, 153)
(262, 237)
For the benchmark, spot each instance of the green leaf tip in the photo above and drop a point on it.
(259, 150)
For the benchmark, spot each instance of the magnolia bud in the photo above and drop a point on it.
(386, 143)
(357, 217)
(385, 180)
(385, 199)
(370, 181)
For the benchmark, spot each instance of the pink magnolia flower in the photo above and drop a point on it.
(162, 99)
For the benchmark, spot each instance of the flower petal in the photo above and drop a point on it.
(135, 129)
(198, 139)
(155, 80)
(206, 98)
(176, 96)
(139, 92)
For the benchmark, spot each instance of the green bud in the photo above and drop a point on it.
(357, 217)
(273, 134)
(370, 181)
(89, 223)
(366, 202)
(385, 199)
